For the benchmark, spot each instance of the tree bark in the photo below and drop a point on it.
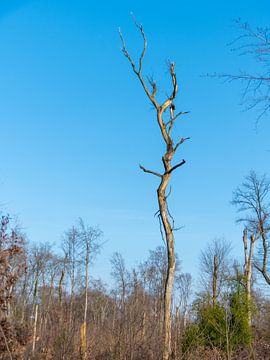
(248, 269)
(171, 263)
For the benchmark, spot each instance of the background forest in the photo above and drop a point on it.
(104, 258)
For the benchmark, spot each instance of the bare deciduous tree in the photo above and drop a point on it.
(70, 246)
(253, 42)
(166, 117)
(89, 238)
(252, 199)
(120, 274)
(184, 284)
(214, 267)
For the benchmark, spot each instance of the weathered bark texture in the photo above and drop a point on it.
(165, 126)
(248, 268)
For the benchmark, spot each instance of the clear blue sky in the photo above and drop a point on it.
(75, 123)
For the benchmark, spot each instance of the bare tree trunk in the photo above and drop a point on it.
(177, 332)
(72, 295)
(171, 257)
(35, 329)
(35, 293)
(60, 295)
(143, 326)
(248, 268)
(165, 126)
(60, 287)
(214, 284)
(83, 327)
(24, 301)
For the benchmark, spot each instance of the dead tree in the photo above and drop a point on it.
(166, 117)
(248, 250)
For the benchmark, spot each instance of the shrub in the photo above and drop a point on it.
(223, 326)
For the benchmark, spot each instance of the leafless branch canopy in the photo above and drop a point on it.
(252, 199)
(150, 88)
(256, 86)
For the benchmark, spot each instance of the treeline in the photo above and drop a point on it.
(51, 308)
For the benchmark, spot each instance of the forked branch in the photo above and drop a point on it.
(138, 72)
(175, 167)
(169, 101)
(165, 127)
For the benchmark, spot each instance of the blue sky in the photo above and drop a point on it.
(75, 123)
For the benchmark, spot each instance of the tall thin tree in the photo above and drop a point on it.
(90, 244)
(166, 117)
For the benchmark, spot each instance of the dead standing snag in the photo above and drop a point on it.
(165, 126)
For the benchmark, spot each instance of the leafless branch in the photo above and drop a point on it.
(256, 43)
(153, 85)
(182, 140)
(138, 72)
(140, 27)
(150, 171)
(173, 118)
(176, 166)
(161, 229)
(169, 193)
(169, 101)
(6, 342)
(252, 198)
